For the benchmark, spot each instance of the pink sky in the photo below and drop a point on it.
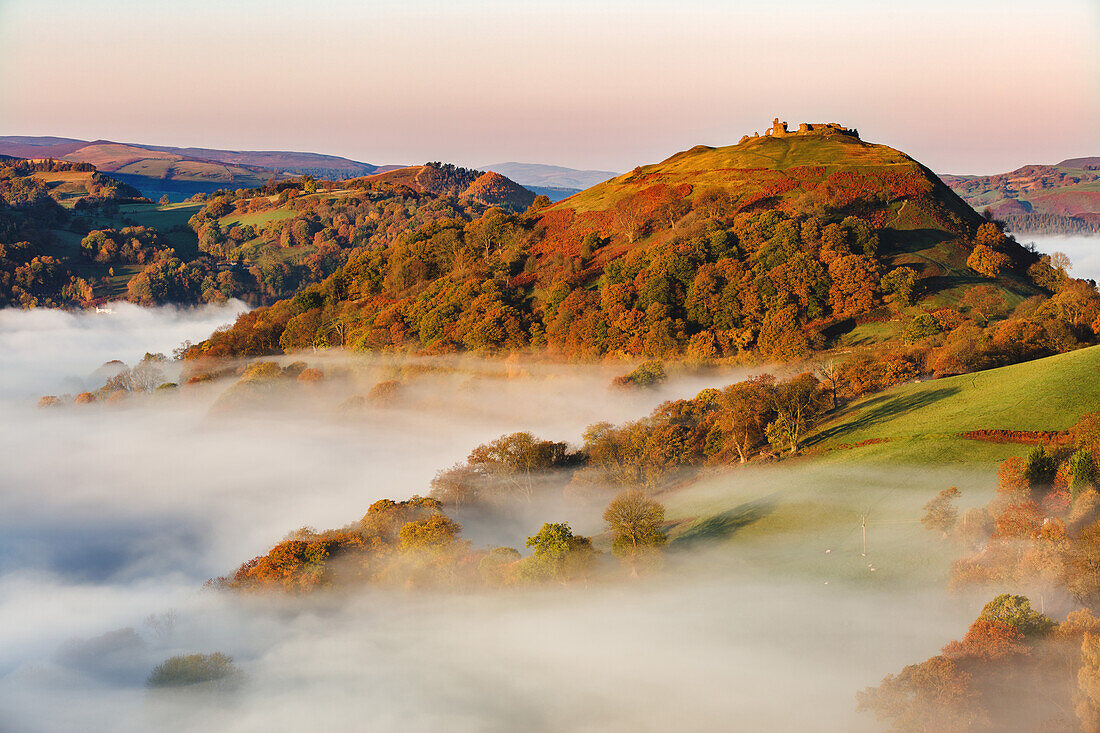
(964, 86)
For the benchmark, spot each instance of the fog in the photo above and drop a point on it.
(48, 349)
(112, 514)
(1083, 252)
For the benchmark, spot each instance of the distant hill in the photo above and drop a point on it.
(550, 176)
(181, 172)
(72, 236)
(553, 181)
(1039, 199)
(553, 193)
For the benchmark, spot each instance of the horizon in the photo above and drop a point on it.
(600, 86)
(480, 166)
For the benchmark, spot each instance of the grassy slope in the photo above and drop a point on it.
(1046, 394)
(733, 166)
(787, 514)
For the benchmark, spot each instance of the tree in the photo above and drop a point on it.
(558, 554)
(831, 374)
(511, 462)
(147, 376)
(921, 327)
(855, 283)
(940, 513)
(934, 695)
(1088, 683)
(216, 670)
(629, 216)
(647, 375)
(635, 523)
(1083, 564)
(433, 534)
(986, 261)
(796, 404)
(1082, 471)
(1016, 611)
(781, 335)
(899, 284)
(745, 409)
(1040, 468)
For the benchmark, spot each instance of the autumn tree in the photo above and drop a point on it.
(1082, 566)
(935, 695)
(630, 216)
(432, 534)
(986, 261)
(635, 523)
(796, 404)
(1088, 683)
(940, 514)
(745, 410)
(510, 464)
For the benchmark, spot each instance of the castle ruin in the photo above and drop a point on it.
(779, 129)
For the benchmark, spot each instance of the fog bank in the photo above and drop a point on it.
(1084, 252)
(111, 514)
(40, 348)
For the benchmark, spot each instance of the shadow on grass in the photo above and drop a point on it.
(722, 526)
(881, 409)
(906, 241)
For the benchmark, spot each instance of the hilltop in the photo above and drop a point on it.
(1063, 198)
(445, 179)
(181, 172)
(776, 247)
(824, 169)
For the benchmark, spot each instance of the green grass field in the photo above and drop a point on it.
(1045, 394)
(257, 218)
(803, 515)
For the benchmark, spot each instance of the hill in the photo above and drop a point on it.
(927, 422)
(445, 179)
(182, 172)
(1039, 199)
(772, 248)
(553, 181)
(73, 236)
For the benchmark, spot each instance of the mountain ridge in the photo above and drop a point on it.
(181, 172)
(1063, 198)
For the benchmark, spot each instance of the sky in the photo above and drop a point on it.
(966, 86)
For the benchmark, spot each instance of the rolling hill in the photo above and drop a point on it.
(444, 179)
(928, 422)
(1039, 199)
(828, 172)
(769, 248)
(182, 172)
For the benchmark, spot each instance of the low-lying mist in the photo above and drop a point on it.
(1083, 252)
(112, 516)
